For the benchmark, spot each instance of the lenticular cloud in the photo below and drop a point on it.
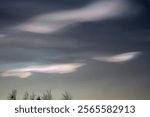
(49, 69)
(124, 57)
(58, 21)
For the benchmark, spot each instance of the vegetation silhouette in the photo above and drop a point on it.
(45, 96)
(12, 95)
(66, 96)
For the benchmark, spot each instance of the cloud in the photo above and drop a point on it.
(50, 69)
(124, 57)
(2, 35)
(59, 21)
(37, 41)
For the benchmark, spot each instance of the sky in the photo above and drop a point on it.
(94, 49)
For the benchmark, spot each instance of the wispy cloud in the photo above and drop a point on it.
(58, 21)
(124, 57)
(49, 69)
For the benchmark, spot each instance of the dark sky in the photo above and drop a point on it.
(95, 49)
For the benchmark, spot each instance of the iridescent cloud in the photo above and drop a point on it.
(56, 68)
(124, 57)
(67, 67)
(58, 21)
